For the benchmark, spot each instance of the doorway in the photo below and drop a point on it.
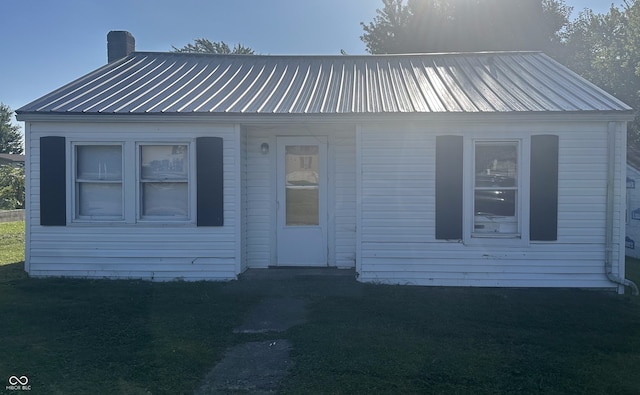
(301, 201)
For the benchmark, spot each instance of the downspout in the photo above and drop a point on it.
(608, 258)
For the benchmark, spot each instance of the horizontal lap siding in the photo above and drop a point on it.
(243, 201)
(260, 201)
(398, 215)
(633, 225)
(260, 194)
(345, 201)
(398, 177)
(146, 251)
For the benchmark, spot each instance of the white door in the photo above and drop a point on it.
(302, 201)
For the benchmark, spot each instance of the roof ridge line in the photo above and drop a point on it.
(395, 55)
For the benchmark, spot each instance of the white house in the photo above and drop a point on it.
(478, 169)
(632, 217)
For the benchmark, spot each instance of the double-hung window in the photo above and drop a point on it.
(164, 182)
(496, 189)
(98, 182)
(130, 182)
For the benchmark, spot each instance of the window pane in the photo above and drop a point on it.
(99, 199)
(496, 188)
(495, 203)
(99, 162)
(164, 162)
(301, 185)
(165, 199)
(302, 206)
(496, 165)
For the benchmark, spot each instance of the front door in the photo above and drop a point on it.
(302, 201)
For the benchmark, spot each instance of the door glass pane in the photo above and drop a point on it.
(301, 172)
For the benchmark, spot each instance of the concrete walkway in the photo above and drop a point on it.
(274, 315)
(258, 367)
(253, 368)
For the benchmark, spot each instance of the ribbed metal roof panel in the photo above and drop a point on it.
(156, 83)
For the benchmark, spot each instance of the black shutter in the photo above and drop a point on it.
(210, 181)
(53, 181)
(543, 220)
(449, 187)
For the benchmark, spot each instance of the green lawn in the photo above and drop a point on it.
(133, 337)
(11, 242)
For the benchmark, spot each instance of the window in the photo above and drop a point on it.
(132, 182)
(98, 182)
(302, 185)
(495, 190)
(164, 181)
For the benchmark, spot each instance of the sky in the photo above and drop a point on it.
(45, 44)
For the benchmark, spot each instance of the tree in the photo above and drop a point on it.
(465, 25)
(10, 137)
(11, 187)
(202, 45)
(605, 49)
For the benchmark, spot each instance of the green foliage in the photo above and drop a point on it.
(462, 26)
(10, 137)
(202, 45)
(605, 49)
(12, 185)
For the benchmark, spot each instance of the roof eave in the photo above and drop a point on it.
(252, 118)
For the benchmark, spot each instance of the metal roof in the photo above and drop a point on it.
(165, 83)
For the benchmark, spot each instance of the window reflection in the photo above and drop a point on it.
(495, 187)
(302, 181)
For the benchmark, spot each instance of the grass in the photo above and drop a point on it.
(11, 242)
(132, 337)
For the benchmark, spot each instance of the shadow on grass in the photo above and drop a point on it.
(633, 270)
(12, 271)
(106, 336)
(101, 336)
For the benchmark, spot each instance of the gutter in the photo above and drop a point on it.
(608, 258)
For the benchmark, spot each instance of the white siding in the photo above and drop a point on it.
(345, 199)
(260, 198)
(243, 201)
(383, 212)
(633, 219)
(398, 212)
(260, 193)
(136, 250)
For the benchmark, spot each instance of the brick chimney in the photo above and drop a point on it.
(120, 43)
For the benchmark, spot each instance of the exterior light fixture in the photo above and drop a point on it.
(264, 148)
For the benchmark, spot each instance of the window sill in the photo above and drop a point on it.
(144, 224)
(497, 240)
(496, 236)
